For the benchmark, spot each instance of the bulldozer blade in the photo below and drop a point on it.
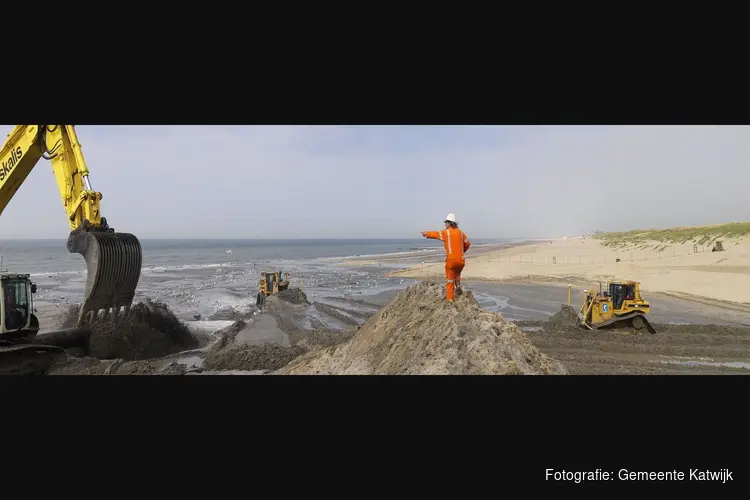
(113, 263)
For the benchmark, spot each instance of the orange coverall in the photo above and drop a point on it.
(456, 244)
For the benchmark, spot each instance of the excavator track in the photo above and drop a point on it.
(28, 359)
(113, 263)
(631, 319)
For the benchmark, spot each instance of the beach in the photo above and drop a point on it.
(689, 270)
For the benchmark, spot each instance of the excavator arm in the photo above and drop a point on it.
(113, 260)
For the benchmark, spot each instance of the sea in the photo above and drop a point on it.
(203, 276)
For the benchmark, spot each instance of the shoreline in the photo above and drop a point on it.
(426, 253)
(426, 256)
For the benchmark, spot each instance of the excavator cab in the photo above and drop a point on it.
(17, 306)
(620, 305)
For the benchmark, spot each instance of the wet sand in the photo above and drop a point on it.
(535, 302)
(673, 350)
(263, 331)
(528, 301)
(692, 338)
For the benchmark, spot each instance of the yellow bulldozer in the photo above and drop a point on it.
(621, 305)
(271, 283)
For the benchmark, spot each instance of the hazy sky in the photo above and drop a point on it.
(377, 181)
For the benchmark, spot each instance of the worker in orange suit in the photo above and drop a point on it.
(456, 244)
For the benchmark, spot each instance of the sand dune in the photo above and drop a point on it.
(669, 265)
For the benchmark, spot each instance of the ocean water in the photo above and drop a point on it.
(202, 276)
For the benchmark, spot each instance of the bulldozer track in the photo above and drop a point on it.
(626, 318)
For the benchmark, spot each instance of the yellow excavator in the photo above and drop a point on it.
(113, 260)
(271, 283)
(621, 305)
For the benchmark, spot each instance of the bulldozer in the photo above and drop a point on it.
(270, 283)
(621, 305)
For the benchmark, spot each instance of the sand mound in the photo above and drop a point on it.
(151, 330)
(420, 333)
(233, 313)
(567, 317)
(293, 296)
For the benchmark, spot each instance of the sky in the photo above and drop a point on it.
(396, 181)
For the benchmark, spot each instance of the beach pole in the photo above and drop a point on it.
(569, 289)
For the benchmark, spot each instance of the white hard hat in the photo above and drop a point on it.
(450, 218)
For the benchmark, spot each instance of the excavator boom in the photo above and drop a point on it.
(113, 260)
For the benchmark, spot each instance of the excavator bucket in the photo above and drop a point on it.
(113, 262)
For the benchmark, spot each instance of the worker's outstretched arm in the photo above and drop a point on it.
(432, 235)
(467, 243)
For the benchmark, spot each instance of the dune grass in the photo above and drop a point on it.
(700, 235)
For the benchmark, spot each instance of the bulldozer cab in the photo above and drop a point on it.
(620, 292)
(271, 283)
(17, 305)
(268, 283)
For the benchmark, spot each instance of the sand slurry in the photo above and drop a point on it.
(134, 345)
(227, 354)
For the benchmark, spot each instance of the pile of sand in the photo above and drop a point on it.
(420, 333)
(565, 318)
(150, 330)
(233, 313)
(293, 296)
